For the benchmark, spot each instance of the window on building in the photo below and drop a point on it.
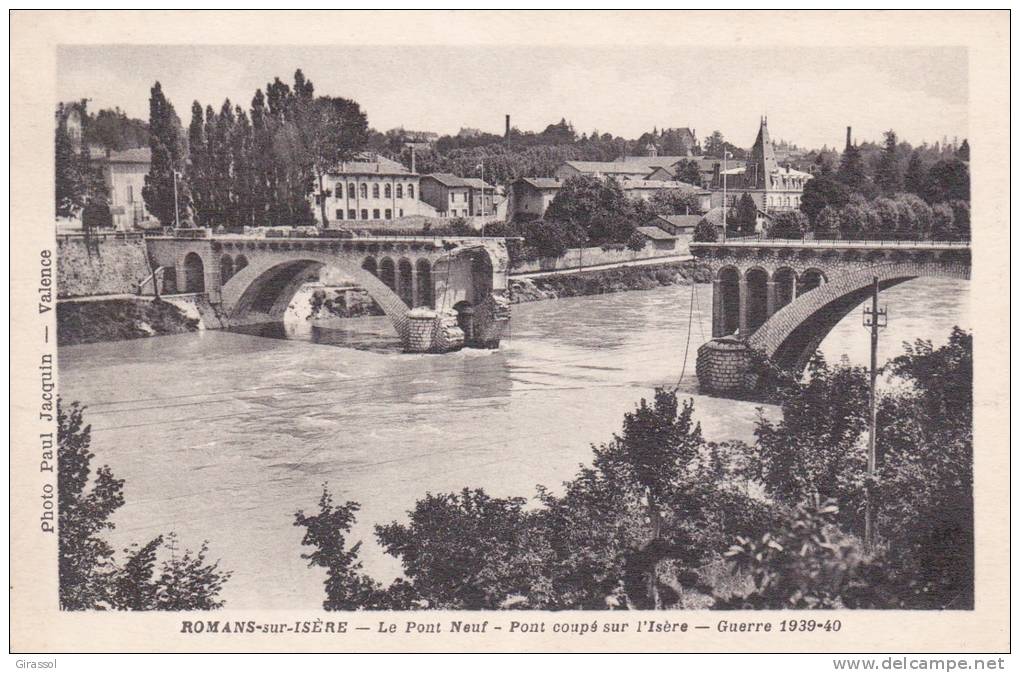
(400, 191)
(352, 214)
(386, 191)
(364, 192)
(364, 212)
(339, 191)
(350, 190)
(339, 213)
(375, 191)
(375, 212)
(410, 191)
(401, 211)
(389, 214)
(131, 194)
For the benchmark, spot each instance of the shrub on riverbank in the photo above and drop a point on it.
(83, 322)
(661, 513)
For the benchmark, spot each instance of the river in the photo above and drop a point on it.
(222, 436)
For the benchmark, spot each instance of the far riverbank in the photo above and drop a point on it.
(606, 281)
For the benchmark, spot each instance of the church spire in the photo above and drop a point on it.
(762, 161)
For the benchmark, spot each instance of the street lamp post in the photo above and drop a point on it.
(177, 212)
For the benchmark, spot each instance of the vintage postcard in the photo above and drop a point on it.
(509, 331)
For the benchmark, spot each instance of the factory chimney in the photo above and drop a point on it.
(412, 159)
(506, 135)
(848, 143)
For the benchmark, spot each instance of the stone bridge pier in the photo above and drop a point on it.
(439, 293)
(776, 300)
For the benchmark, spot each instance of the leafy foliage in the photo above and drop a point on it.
(90, 576)
(468, 551)
(675, 202)
(347, 588)
(822, 192)
(788, 224)
(705, 232)
(808, 563)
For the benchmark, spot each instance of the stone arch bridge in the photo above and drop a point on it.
(447, 284)
(780, 298)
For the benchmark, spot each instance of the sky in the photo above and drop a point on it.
(810, 94)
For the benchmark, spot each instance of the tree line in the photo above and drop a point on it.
(257, 167)
(901, 193)
(662, 517)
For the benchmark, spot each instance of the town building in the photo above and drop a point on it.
(773, 187)
(124, 175)
(646, 189)
(661, 241)
(529, 198)
(371, 188)
(621, 170)
(454, 196)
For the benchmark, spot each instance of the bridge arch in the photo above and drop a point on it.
(268, 284)
(240, 263)
(370, 265)
(405, 280)
(756, 280)
(194, 273)
(784, 282)
(809, 279)
(426, 297)
(728, 279)
(226, 268)
(388, 273)
(794, 332)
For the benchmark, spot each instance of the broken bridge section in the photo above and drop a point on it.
(457, 285)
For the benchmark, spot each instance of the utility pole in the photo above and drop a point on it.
(725, 154)
(874, 319)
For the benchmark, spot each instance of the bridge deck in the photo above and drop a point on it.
(819, 244)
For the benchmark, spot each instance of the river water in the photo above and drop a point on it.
(222, 436)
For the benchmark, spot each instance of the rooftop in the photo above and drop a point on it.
(610, 166)
(542, 183)
(138, 155)
(655, 233)
(682, 221)
(477, 183)
(371, 165)
(660, 184)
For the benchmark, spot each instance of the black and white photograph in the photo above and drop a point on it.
(344, 329)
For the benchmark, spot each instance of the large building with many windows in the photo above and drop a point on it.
(372, 188)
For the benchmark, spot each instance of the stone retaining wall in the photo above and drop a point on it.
(576, 258)
(103, 266)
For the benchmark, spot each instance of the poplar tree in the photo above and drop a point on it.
(167, 159)
(70, 195)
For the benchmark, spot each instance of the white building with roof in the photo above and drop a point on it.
(372, 188)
